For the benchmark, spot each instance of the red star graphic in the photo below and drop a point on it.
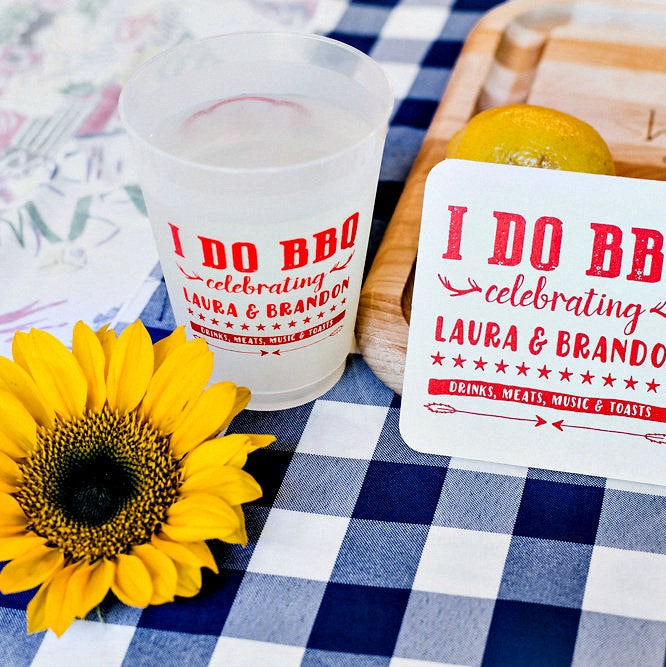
(587, 378)
(276, 326)
(292, 324)
(344, 301)
(202, 317)
(260, 327)
(544, 372)
(522, 369)
(608, 380)
(480, 364)
(437, 358)
(306, 320)
(565, 375)
(229, 325)
(320, 314)
(652, 386)
(459, 361)
(190, 311)
(214, 321)
(630, 383)
(244, 326)
(333, 307)
(501, 367)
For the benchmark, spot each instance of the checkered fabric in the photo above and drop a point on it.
(365, 552)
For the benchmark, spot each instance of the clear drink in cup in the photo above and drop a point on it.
(258, 157)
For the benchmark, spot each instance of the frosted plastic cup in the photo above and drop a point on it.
(258, 156)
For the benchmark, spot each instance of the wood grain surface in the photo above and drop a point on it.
(604, 62)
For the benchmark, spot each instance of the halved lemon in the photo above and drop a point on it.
(532, 136)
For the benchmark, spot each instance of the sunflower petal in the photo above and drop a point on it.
(186, 556)
(189, 580)
(88, 351)
(205, 418)
(30, 569)
(36, 610)
(90, 584)
(233, 484)
(243, 396)
(77, 584)
(164, 347)
(18, 429)
(71, 592)
(6, 487)
(227, 450)
(198, 517)
(10, 448)
(257, 441)
(10, 474)
(132, 584)
(239, 536)
(54, 369)
(202, 503)
(59, 610)
(18, 345)
(107, 337)
(16, 380)
(11, 513)
(179, 380)
(203, 554)
(16, 545)
(162, 572)
(176, 551)
(51, 607)
(215, 452)
(130, 368)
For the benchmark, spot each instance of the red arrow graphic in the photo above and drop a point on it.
(658, 438)
(445, 409)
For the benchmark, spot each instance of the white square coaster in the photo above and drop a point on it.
(415, 22)
(234, 652)
(462, 562)
(298, 544)
(547, 353)
(79, 646)
(626, 583)
(354, 433)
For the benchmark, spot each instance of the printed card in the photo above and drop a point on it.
(538, 325)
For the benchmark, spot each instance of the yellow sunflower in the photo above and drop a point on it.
(111, 476)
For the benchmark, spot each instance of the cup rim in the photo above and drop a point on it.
(267, 169)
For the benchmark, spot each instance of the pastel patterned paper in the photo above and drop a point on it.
(74, 238)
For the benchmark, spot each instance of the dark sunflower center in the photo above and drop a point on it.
(92, 490)
(98, 485)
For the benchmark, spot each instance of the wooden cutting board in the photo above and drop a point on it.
(604, 62)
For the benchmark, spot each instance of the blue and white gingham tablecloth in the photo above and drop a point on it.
(362, 551)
